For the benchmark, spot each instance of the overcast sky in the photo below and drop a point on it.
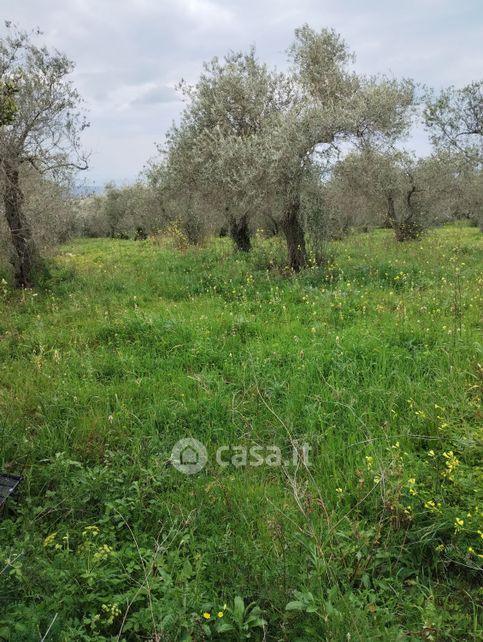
(130, 54)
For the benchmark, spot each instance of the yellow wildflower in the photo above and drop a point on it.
(451, 465)
(431, 506)
(90, 531)
(50, 539)
(103, 552)
(412, 486)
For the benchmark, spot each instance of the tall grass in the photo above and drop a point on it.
(128, 347)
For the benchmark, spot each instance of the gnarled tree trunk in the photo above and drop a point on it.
(392, 218)
(407, 229)
(294, 235)
(240, 233)
(411, 227)
(24, 250)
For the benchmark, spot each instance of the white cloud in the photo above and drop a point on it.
(208, 15)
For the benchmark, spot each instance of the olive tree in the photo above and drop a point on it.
(181, 190)
(115, 212)
(454, 186)
(383, 186)
(42, 132)
(122, 212)
(326, 107)
(392, 188)
(332, 107)
(345, 206)
(49, 209)
(455, 120)
(231, 103)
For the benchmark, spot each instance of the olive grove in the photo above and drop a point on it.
(249, 137)
(307, 153)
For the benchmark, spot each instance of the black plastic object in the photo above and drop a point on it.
(8, 484)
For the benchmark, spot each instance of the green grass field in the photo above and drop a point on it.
(128, 347)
